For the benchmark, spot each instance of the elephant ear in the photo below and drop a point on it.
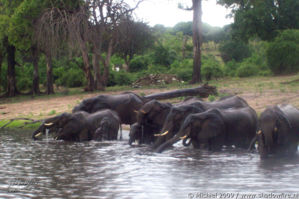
(211, 126)
(282, 116)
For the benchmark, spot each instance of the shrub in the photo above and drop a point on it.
(282, 53)
(230, 68)
(121, 78)
(156, 69)
(211, 68)
(247, 69)
(233, 49)
(182, 69)
(139, 63)
(73, 77)
(24, 83)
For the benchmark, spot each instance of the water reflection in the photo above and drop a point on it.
(47, 169)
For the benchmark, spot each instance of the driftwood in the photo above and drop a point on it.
(202, 91)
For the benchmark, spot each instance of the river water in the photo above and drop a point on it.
(57, 169)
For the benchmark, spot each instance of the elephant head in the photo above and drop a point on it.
(173, 122)
(200, 128)
(135, 133)
(152, 111)
(150, 118)
(106, 131)
(75, 128)
(53, 124)
(274, 127)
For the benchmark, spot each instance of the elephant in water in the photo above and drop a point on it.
(125, 105)
(178, 114)
(82, 126)
(217, 127)
(150, 120)
(279, 131)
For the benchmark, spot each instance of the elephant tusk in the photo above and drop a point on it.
(275, 129)
(163, 134)
(39, 134)
(48, 124)
(56, 138)
(259, 132)
(142, 111)
(135, 111)
(184, 137)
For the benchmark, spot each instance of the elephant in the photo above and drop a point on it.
(125, 105)
(82, 126)
(278, 131)
(177, 115)
(150, 120)
(217, 127)
(174, 120)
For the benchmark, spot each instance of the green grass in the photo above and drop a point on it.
(17, 124)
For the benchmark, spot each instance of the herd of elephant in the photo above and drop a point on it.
(229, 122)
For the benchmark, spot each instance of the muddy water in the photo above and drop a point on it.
(57, 169)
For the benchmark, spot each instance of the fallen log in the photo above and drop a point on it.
(202, 91)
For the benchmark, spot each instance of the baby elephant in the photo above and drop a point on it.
(279, 131)
(82, 126)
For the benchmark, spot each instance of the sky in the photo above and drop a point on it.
(167, 13)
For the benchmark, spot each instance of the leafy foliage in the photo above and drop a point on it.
(282, 53)
(234, 50)
(262, 18)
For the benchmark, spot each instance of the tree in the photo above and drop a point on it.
(133, 38)
(52, 31)
(262, 18)
(94, 27)
(197, 39)
(21, 31)
(7, 9)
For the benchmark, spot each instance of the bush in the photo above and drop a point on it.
(247, 69)
(24, 83)
(73, 77)
(230, 68)
(139, 63)
(282, 53)
(182, 69)
(232, 49)
(156, 69)
(211, 68)
(121, 78)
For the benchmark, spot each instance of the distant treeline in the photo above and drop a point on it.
(49, 43)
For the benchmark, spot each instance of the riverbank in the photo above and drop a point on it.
(259, 92)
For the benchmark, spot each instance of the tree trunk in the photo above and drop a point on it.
(50, 88)
(87, 70)
(107, 63)
(11, 74)
(35, 83)
(96, 69)
(197, 13)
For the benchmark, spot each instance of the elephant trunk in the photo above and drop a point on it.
(166, 133)
(181, 135)
(252, 143)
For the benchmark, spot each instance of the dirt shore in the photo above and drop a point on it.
(258, 92)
